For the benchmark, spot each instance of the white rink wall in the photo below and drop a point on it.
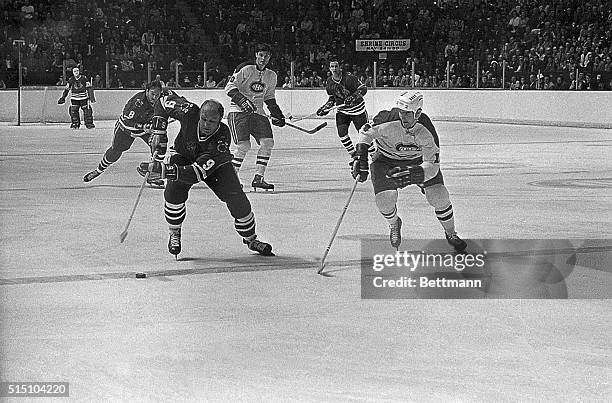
(556, 108)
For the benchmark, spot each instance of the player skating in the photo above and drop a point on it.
(134, 122)
(407, 153)
(346, 91)
(202, 155)
(252, 85)
(81, 96)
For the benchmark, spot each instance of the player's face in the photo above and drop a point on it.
(262, 58)
(153, 95)
(409, 118)
(209, 121)
(334, 68)
(76, 72)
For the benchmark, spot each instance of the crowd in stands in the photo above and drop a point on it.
(522, 44)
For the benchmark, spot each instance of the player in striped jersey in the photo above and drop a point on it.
(81, 96)
(201, 154)
(407, 153)
(347, 91)
(134, 122)
(251, 86)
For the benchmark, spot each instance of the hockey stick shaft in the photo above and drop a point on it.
(311, 131)
(123, 234)
(129, 221)
(315, 113)
(331, 241)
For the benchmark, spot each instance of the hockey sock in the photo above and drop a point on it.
(347, 143)
(261, 164)
(237, 163)
(175, 214)
(245, 226)
(263, 155)
(445, 217)
(392, 216)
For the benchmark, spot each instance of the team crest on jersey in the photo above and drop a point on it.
(138, 103)
(222, 146)
(407, 147)
(257, 86)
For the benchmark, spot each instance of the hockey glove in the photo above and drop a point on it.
(278, 121)
(61, 101)
(158, 144)
(159, 170)
(360, 168)
(246, 104)
(413, 175)
(353, 100)
(324, 110)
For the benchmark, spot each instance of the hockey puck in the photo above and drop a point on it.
(141, 275)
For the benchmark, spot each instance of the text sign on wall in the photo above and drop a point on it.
(381, 45)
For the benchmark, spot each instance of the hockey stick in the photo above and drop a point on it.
(315, 114)
(311, 131)
(124, 234)
(337, 226)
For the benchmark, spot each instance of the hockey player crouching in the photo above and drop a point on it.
(202, 155)
(82, 96)
(407, 153)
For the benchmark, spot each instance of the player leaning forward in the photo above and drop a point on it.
(408, 153)
(81, 96)
(252, 85)
(201, 155)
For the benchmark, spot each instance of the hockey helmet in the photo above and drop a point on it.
(410, 101)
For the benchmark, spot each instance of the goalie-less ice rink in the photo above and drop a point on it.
(223, 324)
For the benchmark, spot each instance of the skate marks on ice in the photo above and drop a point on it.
(198, 266)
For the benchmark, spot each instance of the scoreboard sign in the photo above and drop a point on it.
(381, 45)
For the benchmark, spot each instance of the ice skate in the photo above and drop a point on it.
(90, 125)
(456, 242)
(260, 247)
(74, 126)
(259, 182)
(395, 233)
(91, 175)
(174, 243)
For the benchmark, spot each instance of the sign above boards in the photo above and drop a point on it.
(381, 45)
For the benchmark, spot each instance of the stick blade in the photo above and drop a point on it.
(122, 236)
(316, 129)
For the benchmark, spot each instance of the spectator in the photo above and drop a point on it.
(199, 82)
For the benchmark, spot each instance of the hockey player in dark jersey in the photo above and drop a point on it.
(202, 155)
(346, 91)
(81, 96)
(134, 122)
(407, 153)
(250, 87)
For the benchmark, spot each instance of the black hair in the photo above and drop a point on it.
(263, 47)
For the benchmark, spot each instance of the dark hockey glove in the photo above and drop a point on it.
(278, 121)
(158, 144)
(360, 168)
(61, 100)
(352, 100)
(413, 175)
(159, 170)
(324, 110)
(246, 104)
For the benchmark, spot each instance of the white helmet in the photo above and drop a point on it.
(410, 101)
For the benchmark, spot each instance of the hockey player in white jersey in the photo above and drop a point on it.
(407, 153)
(252, 85)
